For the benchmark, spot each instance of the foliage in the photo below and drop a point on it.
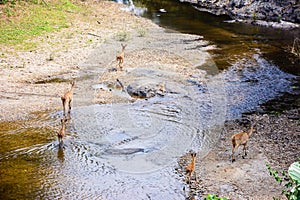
(214, 197)
(142, 32)
(292, 181)
(3, 1)
(294, 172)
(27, 19)
(122, 36)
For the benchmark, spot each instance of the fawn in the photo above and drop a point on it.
(120, 56)
(61, 132)
(240, 139)
(67, 98)
(190, 169)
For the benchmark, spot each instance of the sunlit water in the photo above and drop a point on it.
(130, 151)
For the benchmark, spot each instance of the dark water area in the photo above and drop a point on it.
(232, 39)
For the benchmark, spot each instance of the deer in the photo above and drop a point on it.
(241, 139)
(190, 169)
(120, 56)
(67, 98)
(61, 132)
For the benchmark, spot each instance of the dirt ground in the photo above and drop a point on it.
(275, 141)
(24, 90)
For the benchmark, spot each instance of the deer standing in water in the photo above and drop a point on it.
(67, 98)
(240, 139)
(120, 57)
(61, 132)
(190, 169)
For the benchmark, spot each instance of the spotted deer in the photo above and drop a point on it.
(67, 98)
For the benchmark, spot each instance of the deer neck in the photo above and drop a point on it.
(72, 89)
(63, 126)
(193, 160)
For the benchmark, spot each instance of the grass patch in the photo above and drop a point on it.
(142, 32)
(122, 36)
(23, 21)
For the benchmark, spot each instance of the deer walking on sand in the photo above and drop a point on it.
(120, 57)
(190, 169)
(240, 139)
(67, 98)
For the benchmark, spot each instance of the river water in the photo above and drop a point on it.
(238, 43)
(130, 150)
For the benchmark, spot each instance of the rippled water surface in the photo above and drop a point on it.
(130, 151)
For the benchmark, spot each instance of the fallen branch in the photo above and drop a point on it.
(94, 35)
(296, 47)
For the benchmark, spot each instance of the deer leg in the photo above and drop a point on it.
(70, 101)
(189, 177)
(64, 106)
(234, 147)
(245, 153)
(232, 155)
(118, 65)
(61, 143)
(121, 64)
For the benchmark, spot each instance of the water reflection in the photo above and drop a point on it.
(131, 7)
(61, 155)
(234, 39)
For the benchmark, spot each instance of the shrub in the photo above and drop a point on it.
(142, 32)
(122, 36)
(292, 181)
(214, 197)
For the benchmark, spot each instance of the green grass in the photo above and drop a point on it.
(17, 28)
(122, 36)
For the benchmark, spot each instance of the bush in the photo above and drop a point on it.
(122, 36)
(142, 32)
(214, 197)
(3, 1)
(292, 181)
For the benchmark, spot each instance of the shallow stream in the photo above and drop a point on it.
(130, 150)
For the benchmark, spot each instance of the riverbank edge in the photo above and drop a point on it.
(256, 13)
